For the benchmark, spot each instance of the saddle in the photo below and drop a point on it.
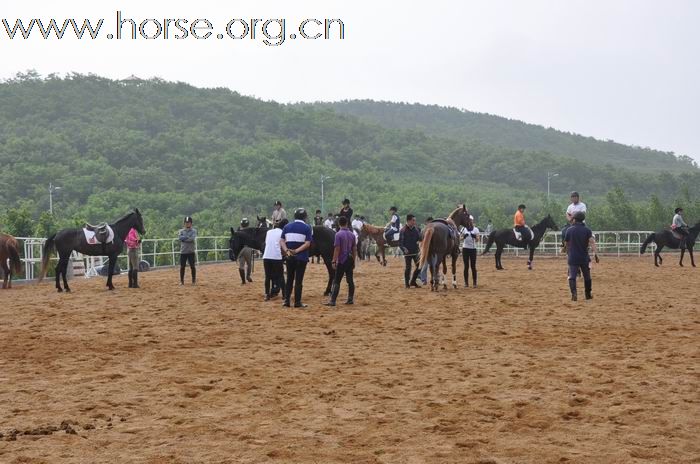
(101, 231)
(454, 233)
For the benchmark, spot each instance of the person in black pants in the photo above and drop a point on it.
(295, 243)
(272, 262)
(188, 239)
(471, 237)
(409, 236)
(344, 255)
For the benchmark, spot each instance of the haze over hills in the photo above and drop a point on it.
(508, 133)
(173, 149)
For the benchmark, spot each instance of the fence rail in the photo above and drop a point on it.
(159, 253)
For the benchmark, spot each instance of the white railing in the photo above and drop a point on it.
(211, 249)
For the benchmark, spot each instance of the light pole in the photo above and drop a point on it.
(550, 175)
(52, 189)
(323, 179)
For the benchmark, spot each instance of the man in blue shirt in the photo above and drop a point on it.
(295, 243)
(344, 254)
(578, 238)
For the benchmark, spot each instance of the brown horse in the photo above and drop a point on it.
(440, 239)
(9, 249)
(377, 234)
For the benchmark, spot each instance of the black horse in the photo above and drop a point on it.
(68, 240)
(665, 238)
(321, 245)
(504, 237)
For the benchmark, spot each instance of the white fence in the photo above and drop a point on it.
(165, 252)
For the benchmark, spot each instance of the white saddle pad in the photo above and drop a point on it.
(90, 236)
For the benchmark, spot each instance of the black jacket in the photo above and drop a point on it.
(409, 238)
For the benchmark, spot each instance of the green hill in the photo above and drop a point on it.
(517, 135)
(173, 149)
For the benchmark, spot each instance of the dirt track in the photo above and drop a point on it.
(511, 372)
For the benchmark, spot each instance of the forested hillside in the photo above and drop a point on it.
(508, 133)
(174, 150)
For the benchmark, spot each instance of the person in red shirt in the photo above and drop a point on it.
(521, 230)
(132, 246)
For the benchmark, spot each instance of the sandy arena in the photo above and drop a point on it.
(510, 372)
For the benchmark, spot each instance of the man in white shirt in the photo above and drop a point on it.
(329, 221)
(576, 206)
(272, 261)
(357, 227)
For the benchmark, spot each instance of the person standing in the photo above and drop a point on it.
(188, 240)
(489, 228)
(272, 261)
(578, 238)
(408, 242)
(318, 218)
(471, 237)
(678, 225)
(132, 252)
(245, 258)
(344, 256)
(278, 213)
(346, 210)
(573, 208)
(329, 221)
(294, 243)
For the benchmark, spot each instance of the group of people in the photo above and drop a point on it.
(288, 243)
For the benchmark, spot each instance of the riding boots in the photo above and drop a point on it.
(131, 279)
(136, 279)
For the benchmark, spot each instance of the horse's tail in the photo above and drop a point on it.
(489, 242)
(425, 246)
(649, 239)
(49, 246)
(15, 261)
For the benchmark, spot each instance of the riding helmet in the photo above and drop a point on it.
(574, 194)
(346, 202)
(521, 206)
(245, 222)
(579, 216)
(678, 210)
(300, 213)
(188, 219)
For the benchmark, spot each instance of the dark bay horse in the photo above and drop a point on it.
(321, 245)
(665, 238)
(68, 240)
(440, 239)
(504, 237)
(9, 249)
(377, 234)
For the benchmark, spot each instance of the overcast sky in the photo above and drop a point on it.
(623, 70)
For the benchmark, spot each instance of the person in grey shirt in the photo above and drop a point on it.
(278, 213)
(679, 226)
(187, 237)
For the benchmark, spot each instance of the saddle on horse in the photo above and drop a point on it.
(519, 233)
(101, 231)
(454, 233)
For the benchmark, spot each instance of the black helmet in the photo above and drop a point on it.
(278, 203)
(245, 222)
(574, 194)
(393, 208)
(579, 216)
(678, 210)
(346, 202)
(521, 206)
(300, 213)
(188, 220)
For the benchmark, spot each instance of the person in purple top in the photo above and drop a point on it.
(344, 255)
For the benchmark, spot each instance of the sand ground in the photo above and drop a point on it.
(510, 372)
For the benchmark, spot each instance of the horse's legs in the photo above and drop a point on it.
(383, 255)
(657, 254)
(5, 273)
(59, 268)
(690, 252)
(64, 273)
(529, 261)
(682, 254)
(499, 252)
(331, 274)
(454, 270)
(112, 263)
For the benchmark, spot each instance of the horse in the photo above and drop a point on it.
(68, 240)
(9, 249)
(665, 237)
(441, 238)
(504, 237)
(377, 234)
(321, 245)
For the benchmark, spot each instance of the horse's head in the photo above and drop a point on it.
(235, 245)
(262, 221)
(460, 216)
(549, 222)
(138, 225)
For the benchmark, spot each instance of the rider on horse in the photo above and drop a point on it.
(394, 225)
(520, 229)
(679, 226)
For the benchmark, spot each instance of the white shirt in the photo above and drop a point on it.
(272, 244)
(328, 223)
(356, 224)
(575, 208)
(469, 241)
